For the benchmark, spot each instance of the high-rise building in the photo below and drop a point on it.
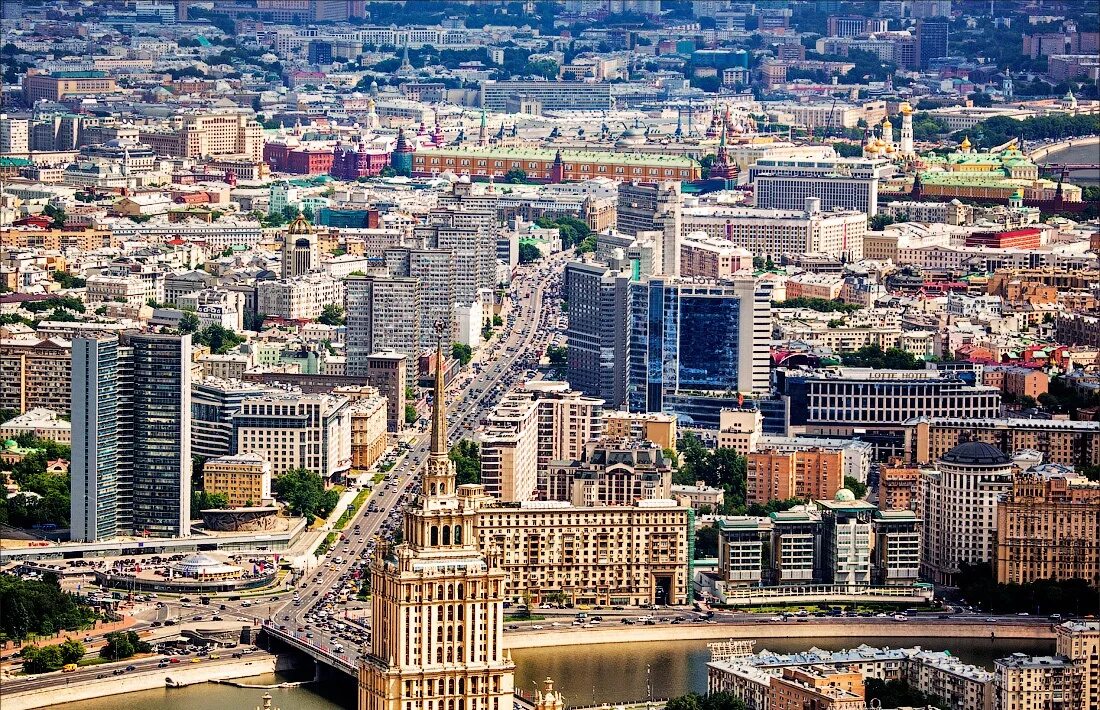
(161, 425)
(470, 235)
(383, 314)
(958, 503)
(509, 450)
(1048, 527)
(653, 207)
(694, 336)
(597, 333)
(932, 37)
(1074, 443)
(131, 437)
(773, 232)
(447, 644)
(94, 470)
(846, 540)
(839, 183)
(435, 269)
(1037, 683)
(14, 134)
(387, 372)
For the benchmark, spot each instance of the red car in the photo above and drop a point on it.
(174, 660)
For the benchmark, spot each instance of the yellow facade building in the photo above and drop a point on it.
(245, 479)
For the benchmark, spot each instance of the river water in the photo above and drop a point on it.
(584, 674)
(1089, 154)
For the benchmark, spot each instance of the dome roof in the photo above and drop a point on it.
(844, 495)
(976, 453)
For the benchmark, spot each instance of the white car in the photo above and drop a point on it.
(537, 627)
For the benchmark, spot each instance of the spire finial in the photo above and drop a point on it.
(439, 407)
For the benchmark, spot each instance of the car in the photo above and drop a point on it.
(881, 615)
(173, 660)
(196, 660)
(131, 668)
(537, 627)
(776, 618)
(214, 656)
(1023, 613)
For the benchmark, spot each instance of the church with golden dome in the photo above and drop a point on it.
(884, 146)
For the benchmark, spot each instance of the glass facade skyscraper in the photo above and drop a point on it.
(696, 337)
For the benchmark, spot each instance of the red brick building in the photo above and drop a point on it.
(1025, 238)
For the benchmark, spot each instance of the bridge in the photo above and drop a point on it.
(321, 654)
(1068, 167)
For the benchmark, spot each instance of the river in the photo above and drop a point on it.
(584, 674)
(1080, 154)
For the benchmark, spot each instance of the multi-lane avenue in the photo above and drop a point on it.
(317, 612)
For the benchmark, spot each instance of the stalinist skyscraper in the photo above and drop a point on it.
(438, 614)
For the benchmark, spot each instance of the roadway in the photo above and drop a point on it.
(313, 615)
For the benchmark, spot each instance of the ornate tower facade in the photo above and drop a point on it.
(300, 250)
(437, 609)
(905, 145)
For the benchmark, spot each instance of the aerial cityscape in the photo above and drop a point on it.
(550, 354)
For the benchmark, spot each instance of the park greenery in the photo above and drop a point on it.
(305, 494)
(1000, 129)
(897, 693)
(218, 338)
(466, 456)
(821, 305)
(856, 487)
(558, 355)
(43, 497)
(34, 606)
(123, 644)
(202, 500)
(574, 232)
(411, 414)
(46, 659)
(67, 280)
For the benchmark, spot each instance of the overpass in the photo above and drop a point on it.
(321, 654)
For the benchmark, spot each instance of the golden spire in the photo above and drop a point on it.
(439, 408)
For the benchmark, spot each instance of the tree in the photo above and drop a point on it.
(528, 253)
(898, 693)
(466, 456)
(875, 357)
(557, 354)
(821, 305)
(411, 414)
(856, 487)
(67, 280)
(304, 493)
(218, 338)
(462, 352)
(515, 176)
(201, 500)
(387, 172)
(497, 321)
(123, 644)
(188, 323)
(56, 215)
(332, 314)
(706, 542)
(35, 606)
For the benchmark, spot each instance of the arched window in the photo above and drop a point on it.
(440, 590)
(435, 536)
(439, 655)
(433, 489)
(461, 588)
(442, 488)
(446, 534)
(458, 534)
(450, 591)
(450, 612)
(439, 634)
(451, 689)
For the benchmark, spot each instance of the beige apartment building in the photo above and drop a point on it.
(1079, 641)
(36, 374)
(1074, 443)
(295, 430)
(509, 449)
(608, 555)
(1049, 528)
(208, 134)
(610, 472)
(653, 426)
(245, 479)
(1038, 683)
(815, 474)
(369, 433)
(54, 87)
(740, 429)
(817, 687)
